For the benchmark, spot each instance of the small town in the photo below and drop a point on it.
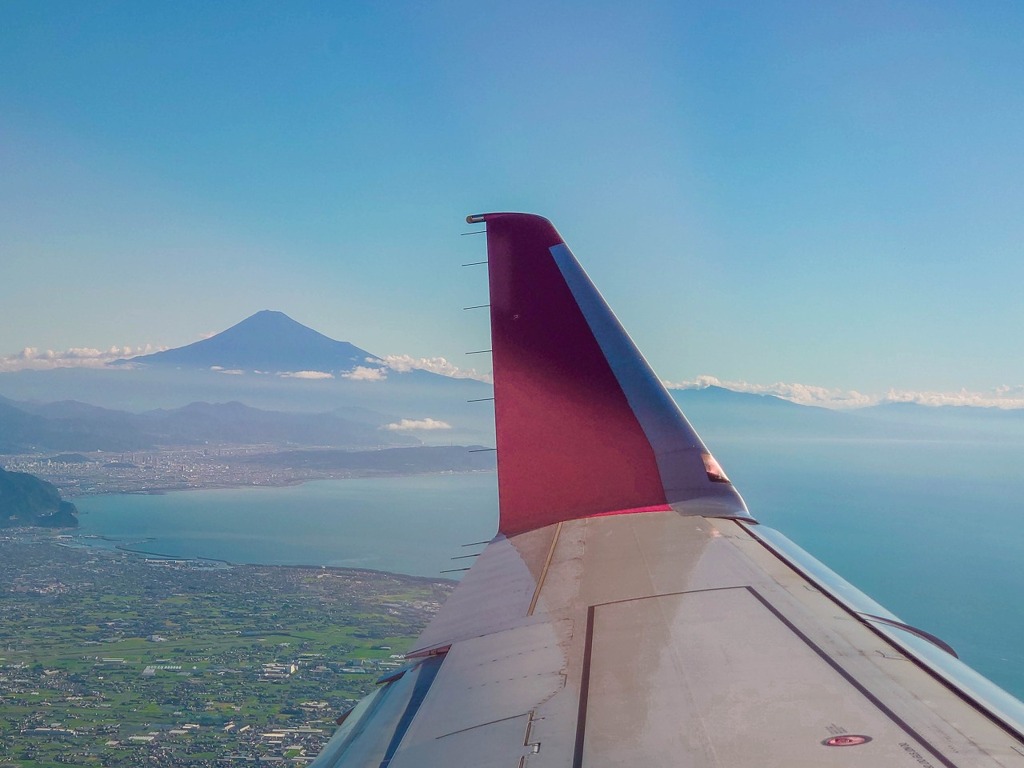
(167, 469)
(109, 658)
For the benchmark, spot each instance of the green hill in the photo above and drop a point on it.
(27, 500)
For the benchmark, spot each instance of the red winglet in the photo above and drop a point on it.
(572, 441)
(568, 442)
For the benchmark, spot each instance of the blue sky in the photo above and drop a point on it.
(825, 195)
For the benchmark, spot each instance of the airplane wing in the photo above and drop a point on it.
(630, 611)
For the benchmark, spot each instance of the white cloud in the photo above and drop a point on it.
(406, 424)
(1003, 396)
(306, 375)
(440, 365)
(229, 371)
(32, 358)
(364, 373)
(804, 394)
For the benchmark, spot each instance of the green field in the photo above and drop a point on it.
(109, 659)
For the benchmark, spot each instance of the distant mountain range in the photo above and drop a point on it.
(75, 426)
(269, 342)
(240, 386)
(716, 413)
(719, 413)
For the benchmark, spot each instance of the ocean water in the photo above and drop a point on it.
(932, 529)
(411, 525)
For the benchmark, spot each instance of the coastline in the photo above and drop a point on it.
(190, 468)
(26, 534)
(409, 524)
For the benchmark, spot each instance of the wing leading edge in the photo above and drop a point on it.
(629, 610)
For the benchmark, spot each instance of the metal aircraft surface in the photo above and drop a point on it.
(630, 611)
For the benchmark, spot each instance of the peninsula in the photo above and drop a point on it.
(26, 500)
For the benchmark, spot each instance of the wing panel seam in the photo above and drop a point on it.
(482, 725)
(588, 650)
(851, 679)
(961, 694)
(544, 571)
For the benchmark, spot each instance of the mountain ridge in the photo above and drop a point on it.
(28, 500)
(269, 341)
(75, 426)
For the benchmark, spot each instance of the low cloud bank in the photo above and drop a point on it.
(410, 424)
(306, 375)
(1001, 397)
(804, 394)
(364, 373)
(1007, 397)
(34, 359)
(1004, 396)
(440, 365)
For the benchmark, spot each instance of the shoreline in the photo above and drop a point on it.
(410, 524)
(185, 468)
(70, 541)
(283, 483)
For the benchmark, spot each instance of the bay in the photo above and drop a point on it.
(410, 525)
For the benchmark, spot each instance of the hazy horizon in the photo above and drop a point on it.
(34, 359)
